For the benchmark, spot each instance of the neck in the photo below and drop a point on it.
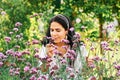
(60, 44)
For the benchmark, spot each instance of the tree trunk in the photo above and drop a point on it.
(100, 32)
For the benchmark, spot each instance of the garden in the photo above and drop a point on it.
(23, 24)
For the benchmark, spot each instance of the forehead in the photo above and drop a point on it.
(56, 25)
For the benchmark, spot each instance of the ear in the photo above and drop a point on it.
(66, 32)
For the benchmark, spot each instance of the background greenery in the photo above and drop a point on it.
(34, 16)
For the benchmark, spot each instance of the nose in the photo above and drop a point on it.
(53, 33)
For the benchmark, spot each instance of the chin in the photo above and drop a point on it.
(56, 42)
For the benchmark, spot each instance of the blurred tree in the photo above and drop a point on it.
(104, 10)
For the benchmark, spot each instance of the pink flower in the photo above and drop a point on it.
(17, 46)
(33, 77)
(15, 29)
(65, 47)
(55, 67)
(35, 41)
(71, 29)
(118, 73)
(78, 20)
(69, 69)
(11, 52)
(117, 67)
(63, 61)
(36, 50)
(72, 52)
(65, 41)
(17, 72)
(52, 72)
(92, 78)
(33, 70)
(92, 48)
(36, 55)
(7, 39)
(18, 54)
(10, 32)
(96, 58)
(2, 56)
(76, 36)
(26, 68)
(17, 24)
(104, 44)
(91, 65)
(1, 64)
(26, 52)
(83, 27)
(3, 13)
(72, 74)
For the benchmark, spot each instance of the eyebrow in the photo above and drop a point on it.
(56, 28)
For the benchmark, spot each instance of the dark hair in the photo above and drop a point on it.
(66, 23)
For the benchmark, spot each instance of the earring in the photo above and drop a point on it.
(66, 37)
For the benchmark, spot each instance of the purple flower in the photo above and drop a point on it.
(96, 58)
(117, 67)
(83, 27)
(91, 65)
(54, 67)
(52, 72)
(36, 50)
(18, 54)
(3, 13)
(65, 41)
(35, 41)
(71, 29)
(76, 36)
(17, 46)
(65, 47)
(117, 42)
(15, 29)
(1, 64)
(11, 52)
(92, 48)
(17, 24)
(26, 68)
(92, 78)
(118, 73)
(11, 71)
(7, 39)
(72, 52)
(43, 77)
(33, 77)
(49, 60)
(26, 52)
(10, 32)
(33, 70)
(2, 56)
(18, 36)
(104, 44)
(36, 55)
(78, 20)
(69, 69)
(17, 72)
(63, 61)
(72, 75)
(74, 45)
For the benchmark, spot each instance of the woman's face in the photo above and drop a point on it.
(57, 32)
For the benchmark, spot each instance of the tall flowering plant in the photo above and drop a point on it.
(21, 60)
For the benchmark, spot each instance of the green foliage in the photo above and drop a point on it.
(33, 13)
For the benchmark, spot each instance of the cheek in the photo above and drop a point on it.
(63, 35)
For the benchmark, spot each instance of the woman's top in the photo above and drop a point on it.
(81, 55)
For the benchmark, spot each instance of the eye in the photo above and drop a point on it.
(58, 30)
(51, 30)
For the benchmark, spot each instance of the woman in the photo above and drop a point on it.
(62, 43)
